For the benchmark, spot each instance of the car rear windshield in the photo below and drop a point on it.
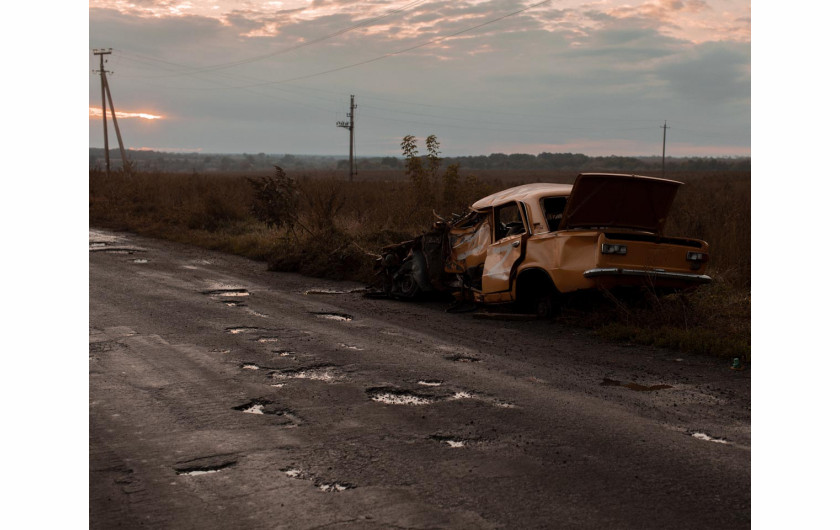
(553, 208)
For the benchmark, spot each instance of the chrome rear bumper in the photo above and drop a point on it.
(652, 274)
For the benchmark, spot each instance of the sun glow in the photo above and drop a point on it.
(94, 112)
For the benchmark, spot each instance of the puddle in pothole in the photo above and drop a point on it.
(233, 304)
(266, 340)
(706, 438)
(315, 373)
(283, 353)
(339, 317)
(296, 473)
(334, 291)
(461, 395)
(242, 329)
(350, 347)
(108, 249)
(634, 386)
(396, 396)
(227, 292)
(204, 470)
(268, 407)
(334, 486)
(504, 405)
(431, 382)
(451, 441)
(327, 487)
(249, 366)
(140, 260)
(462, 358)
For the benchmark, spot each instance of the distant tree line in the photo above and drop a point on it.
(203, 163)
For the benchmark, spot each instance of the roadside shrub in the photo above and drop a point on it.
(276, 200)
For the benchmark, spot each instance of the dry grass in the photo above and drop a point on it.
(213, 211)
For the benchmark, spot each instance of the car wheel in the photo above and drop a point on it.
(405, 286)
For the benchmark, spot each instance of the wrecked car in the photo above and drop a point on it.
(533, 243)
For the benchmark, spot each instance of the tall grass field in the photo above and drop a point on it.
(333, 227)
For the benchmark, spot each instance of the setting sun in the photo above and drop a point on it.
(94, 112)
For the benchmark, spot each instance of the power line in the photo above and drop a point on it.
(310, 42)
(406, 50)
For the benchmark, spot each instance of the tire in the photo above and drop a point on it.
(405, 286)
(536, 295)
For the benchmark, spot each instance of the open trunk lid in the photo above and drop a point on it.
(619, 201)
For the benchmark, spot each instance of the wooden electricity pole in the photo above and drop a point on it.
(351, 126)
(106, 90)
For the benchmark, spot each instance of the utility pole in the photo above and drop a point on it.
(664, 131)
(350, 125)
(107, 90)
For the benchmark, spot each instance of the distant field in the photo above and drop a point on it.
(341, 223)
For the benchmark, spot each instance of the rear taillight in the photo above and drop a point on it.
(697, 257)
(609, 248)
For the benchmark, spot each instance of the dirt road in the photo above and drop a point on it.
(226, 396)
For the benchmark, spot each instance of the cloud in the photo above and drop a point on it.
(595, 72)
(96, 113)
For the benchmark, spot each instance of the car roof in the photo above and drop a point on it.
(525, 192)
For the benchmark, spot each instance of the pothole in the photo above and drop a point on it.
(315, 373)
(350, 347)
(283, 353)
(333, 291)
(339, 317)
(462, 358)
(140, 260)
(192, 472)
(249, 366)
(266, 340)
(327, 487)
(205, 466)
(296, 473)
(451, 441)
(116, 250)
(242, 329)
(268, 407)
(706, 438)
(397, 396)
(334, 486)
(634, 386)
(504, 405)
(227, 292)
(234, 303)
(103, 346)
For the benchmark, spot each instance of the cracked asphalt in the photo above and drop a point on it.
(226, 396)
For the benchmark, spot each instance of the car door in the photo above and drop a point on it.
(505, 252)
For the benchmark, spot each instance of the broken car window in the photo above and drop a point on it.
(553, 209)
(508, 221)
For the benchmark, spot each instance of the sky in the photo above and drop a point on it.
(484, 76)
